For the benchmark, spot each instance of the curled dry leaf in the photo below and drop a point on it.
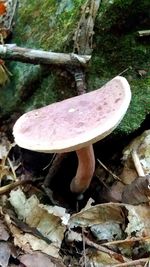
(113, 214)
(102, 213)
(45, 219)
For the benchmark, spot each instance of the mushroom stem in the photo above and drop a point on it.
(85, 170)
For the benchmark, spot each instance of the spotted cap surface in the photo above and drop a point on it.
(75, 122)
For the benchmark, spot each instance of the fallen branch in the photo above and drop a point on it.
(144, 33)
(16, 53)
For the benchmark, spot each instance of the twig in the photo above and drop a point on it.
(103, 249)
(84, 252)
(114, 175)
(16, 53)
(129, 68)
(135, 239)
(115, 255)
(147, 264)
(137, 163)
(132, 263)
(9, 187)
(12, 168)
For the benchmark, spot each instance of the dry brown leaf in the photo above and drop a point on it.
(5, 168)
(4, 254)
(139, 221)
(4, 235)
(49, 221)
(106, 218)
(141, 145)
(101, 259)
(98, 214)
(39, 216)
(30, 243)
(38, 259)
(107, 231)
(138, 191)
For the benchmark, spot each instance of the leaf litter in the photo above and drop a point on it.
(113, 234)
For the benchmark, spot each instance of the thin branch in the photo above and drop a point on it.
(129, 240)
(104, 249)
(114, 175)
(5, 189)
(137, 163)
(132, 263)
(16, 53)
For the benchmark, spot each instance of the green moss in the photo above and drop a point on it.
(44, 25)
(21, 83)
(140, 105)
(44, 95)
(118, 48)
(47, 24)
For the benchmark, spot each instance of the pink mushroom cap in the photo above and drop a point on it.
(75, 122)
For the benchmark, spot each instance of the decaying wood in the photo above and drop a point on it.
(16, 53)
(83, 37)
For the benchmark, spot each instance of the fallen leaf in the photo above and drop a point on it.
(49, 221)
(39, 216)
(137, 192)
(107, 231)
(139, 221)
(5, 169)
(4, 254)
(141, 144)
(38, 259)
(4, 235)
(101, 259)
(30, 243)
(97, 214)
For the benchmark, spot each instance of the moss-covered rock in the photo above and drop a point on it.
(50, 25)
(117, 48)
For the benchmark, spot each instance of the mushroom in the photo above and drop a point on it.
(75, 124)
